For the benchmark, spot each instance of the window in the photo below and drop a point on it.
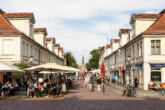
(155, 47)
(133, 29)
(23, 49)
(133, 52)
(141, 53)
(32, 50)
(137, 49)
(7, 47)
(31, 31)
(130, 51)
(27, 49)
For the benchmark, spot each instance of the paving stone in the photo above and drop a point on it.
(79, 98)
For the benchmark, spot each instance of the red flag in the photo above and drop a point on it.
(102, 69)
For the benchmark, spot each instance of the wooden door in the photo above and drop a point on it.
(123, 76)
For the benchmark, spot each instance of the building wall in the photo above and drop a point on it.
(10, 49)
(25, 26)
(40, 38)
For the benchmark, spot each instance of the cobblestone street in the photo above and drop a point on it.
(79, 98)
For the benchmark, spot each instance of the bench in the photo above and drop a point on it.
(162, 85)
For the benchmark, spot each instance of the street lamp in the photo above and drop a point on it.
(31, 59)
(129, 59)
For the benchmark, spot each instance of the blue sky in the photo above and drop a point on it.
(82, 25)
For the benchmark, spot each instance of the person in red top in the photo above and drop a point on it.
(39, 87)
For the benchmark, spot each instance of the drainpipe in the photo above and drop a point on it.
(49, 57)
(115, 62)
(39, 56)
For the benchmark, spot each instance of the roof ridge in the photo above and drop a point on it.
(20, 12)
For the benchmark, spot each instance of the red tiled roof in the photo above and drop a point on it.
(18, 14)
(1, 11)
(63, 53)
(108, 46)
(125, 30)
(56, 45)
(163, 11)
(39, 29)
(61, 48)
(6, 26)
(158, 27)
(146, 15)
(48, 39)
(116, 40)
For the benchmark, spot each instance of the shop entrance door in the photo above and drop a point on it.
(123, 76)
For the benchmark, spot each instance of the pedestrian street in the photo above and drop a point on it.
(79, 98)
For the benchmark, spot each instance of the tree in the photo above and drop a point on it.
(19, 75)
(71, 62)
(94, 60)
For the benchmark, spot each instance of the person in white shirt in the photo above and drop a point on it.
(35, 85)
(40, 80)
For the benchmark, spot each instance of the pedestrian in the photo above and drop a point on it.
(90, 84)
(34, 80)
(99, 84)
(25, 81)
(116, 79)
(40, 80)
(136, 82)
(113, 78)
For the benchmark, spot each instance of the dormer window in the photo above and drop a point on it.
(133, 30)
(31, 31)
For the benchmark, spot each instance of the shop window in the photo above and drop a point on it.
(156, 76)
(155, 47)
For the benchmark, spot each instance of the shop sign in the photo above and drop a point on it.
(4, 73)
(128, 69)
(157, 65)
(6, 58)
(139, 68)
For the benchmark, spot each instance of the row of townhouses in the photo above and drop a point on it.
(19, 40)
(144, 42)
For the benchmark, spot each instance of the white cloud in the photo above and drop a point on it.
(81, 41)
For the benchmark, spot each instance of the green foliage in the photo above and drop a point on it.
(94, 60)
(19, 75)
(71, 60)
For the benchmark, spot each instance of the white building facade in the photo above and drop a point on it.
(144, 42)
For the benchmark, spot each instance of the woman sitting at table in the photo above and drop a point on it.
(40, 89)
(12, 90)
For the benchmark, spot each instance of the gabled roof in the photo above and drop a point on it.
(28, 14)
(124, 30)
(116, 40)
(61, 48)
(56, 45)
(48, 39)
(158, 27)
(41, 30)
(146, 15)
(108, 46)
(6, 26)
